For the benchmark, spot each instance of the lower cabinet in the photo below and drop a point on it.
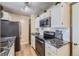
(53, 51)
(50, 50)
(12, 51)
(49, 53)
(64, 50)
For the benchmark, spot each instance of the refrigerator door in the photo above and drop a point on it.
(5, 28)
(9, 29)
(14, 31)
(75, 28)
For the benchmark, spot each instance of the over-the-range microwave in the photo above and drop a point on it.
(46, 22)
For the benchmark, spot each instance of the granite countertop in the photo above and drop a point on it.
(5, 51)
(56, 42)
(6, 48)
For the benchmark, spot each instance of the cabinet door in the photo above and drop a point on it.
(42, 16)
(45, 15)
(37, 22)
(65, 15)
(50, 50)
(49, 53)
(53, 16)
(6, 15)
(56, 16)
(75, 49)
(64, 50)
(60, 15)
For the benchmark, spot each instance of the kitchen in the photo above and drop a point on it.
(49, 29)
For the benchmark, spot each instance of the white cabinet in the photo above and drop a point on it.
(41, 17)
(33, 41)
(37, 21)
(49, 53)
(6, 16)
(50, 50)
(45, 15)
(60, 15)
(75, 50)
(65, 15)
(53, 16)
(53, 51)
(64, 50)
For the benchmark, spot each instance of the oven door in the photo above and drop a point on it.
(40, 47)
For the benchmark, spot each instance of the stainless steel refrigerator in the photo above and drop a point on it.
(9, 29)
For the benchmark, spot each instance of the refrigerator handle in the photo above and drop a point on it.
(75, 44)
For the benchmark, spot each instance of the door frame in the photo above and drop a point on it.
(71, 30)
(71, 40)
(30, 31)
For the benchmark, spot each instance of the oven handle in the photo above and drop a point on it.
(40, 41)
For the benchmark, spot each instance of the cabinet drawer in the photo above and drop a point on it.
(50, 48)
(49, 53)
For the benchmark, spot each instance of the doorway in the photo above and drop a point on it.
(30, 31)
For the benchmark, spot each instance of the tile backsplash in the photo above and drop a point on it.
(65, 32)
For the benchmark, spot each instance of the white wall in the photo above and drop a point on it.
(33, 29)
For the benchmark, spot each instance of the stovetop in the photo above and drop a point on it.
(56, 42)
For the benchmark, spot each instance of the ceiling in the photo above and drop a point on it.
(26, 8)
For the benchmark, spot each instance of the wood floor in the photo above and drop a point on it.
(26, 50)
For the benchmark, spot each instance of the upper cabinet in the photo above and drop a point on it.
(42, 17)
(6, 15)
(54, 16)
(60, 15)
(37, 22)
(46, 14)
(65, 14)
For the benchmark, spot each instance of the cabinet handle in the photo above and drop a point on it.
(75, 44)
